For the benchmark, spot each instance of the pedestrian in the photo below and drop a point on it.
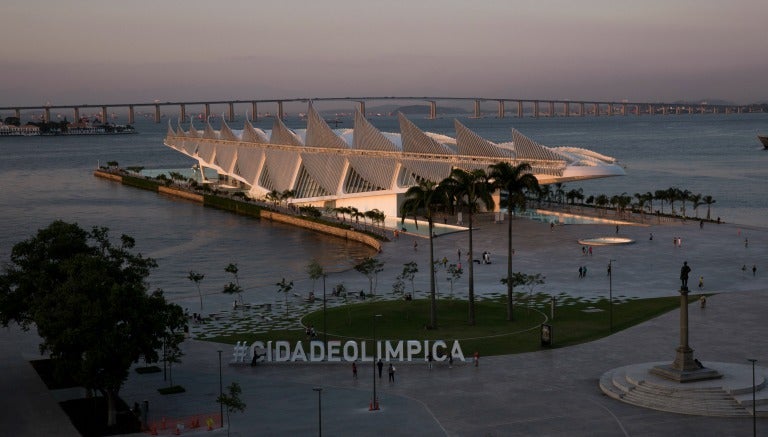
(430, 358)
(354, 370)
(746, 242)
(701, 282)
(415, 245)
(380, 365)
(651, 238)
(754, 270)
(551, 226)
(701, 224)
(590, 250)
(703, 301)
(476, 358)
(583, 250)
(581, 272)
(617, 229)
(458, 252)
(391, 373)
(445, 262)
(450, 360)
(584, 270)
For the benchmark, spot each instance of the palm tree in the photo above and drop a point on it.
(196, 278)
(661, 195)
(708, 200)
(470, 188)
(422, 200)
(515, 180)
(696, 201)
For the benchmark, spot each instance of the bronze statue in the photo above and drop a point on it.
(684, 274)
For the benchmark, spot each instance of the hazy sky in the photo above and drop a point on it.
(83, 51)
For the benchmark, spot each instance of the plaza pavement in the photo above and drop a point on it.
(547, 393)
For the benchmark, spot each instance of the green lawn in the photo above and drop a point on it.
(576, 321)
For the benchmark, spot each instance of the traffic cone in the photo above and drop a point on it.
(162, 424)
(154, 430)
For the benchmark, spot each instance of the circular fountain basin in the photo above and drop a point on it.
(606, 241)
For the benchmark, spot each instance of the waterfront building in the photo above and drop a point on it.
(364, 167)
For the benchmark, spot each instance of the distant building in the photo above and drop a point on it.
(364, 167)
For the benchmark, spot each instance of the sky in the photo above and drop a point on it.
(97, 52)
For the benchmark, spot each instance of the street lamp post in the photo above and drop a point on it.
(319, 391)
(610, 294)
(754, 413)
(221, 393)
(375, 402)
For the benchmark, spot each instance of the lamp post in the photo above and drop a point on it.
(375, 402)
(319, 391)
(610, 294)
(754, 415)
(221, 393)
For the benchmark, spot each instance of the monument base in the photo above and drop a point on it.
(669, 371)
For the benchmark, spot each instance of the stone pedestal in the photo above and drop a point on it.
(685, 368)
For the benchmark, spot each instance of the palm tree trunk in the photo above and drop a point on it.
(510, 286)
(471, 274)
(433, 302)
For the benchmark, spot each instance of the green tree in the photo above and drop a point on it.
(196, 278)
(421, 201)
(315, 271)
(454, 274)
(409, 273)
(516, 181)
(370, 267)
(470, 189)
(231, 401)
(285, 288)
(233, 287)
(89, 301)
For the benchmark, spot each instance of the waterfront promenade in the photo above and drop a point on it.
(551, 392)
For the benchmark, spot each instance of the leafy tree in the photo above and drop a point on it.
(515, 180)
(285, 288)
(470, 189)
(315, 271)
(196, 278)
(454, 274)
(233, 287)
(409, 273)
(231, 401)
(89, 301)
(370, 267)
(530, 281)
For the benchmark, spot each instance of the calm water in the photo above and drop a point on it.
(44, 179)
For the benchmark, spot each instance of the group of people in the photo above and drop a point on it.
(310, 332)
(380, 367)
(582, 271)
(586, 250)
(677, 241)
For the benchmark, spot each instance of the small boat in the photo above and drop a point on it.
(764, 140)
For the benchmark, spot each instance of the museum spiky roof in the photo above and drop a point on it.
(322, 164)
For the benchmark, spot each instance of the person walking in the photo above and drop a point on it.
(354, 370)
(754, 269)
(701, 282)
(477, 358)
(430, 358)
(391, 373)
(380, 365)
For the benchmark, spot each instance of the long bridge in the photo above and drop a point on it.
(517, 107)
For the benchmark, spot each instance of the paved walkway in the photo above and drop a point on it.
(552, 392)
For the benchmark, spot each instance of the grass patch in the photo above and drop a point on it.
(171, 390)
(576, 321)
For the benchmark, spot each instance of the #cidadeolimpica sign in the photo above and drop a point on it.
(348, 351)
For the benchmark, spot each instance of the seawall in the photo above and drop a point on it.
(239, 207)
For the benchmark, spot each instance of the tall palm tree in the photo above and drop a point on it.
(708, 200)
(515, 180)
(470, 189)
(422, 200)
